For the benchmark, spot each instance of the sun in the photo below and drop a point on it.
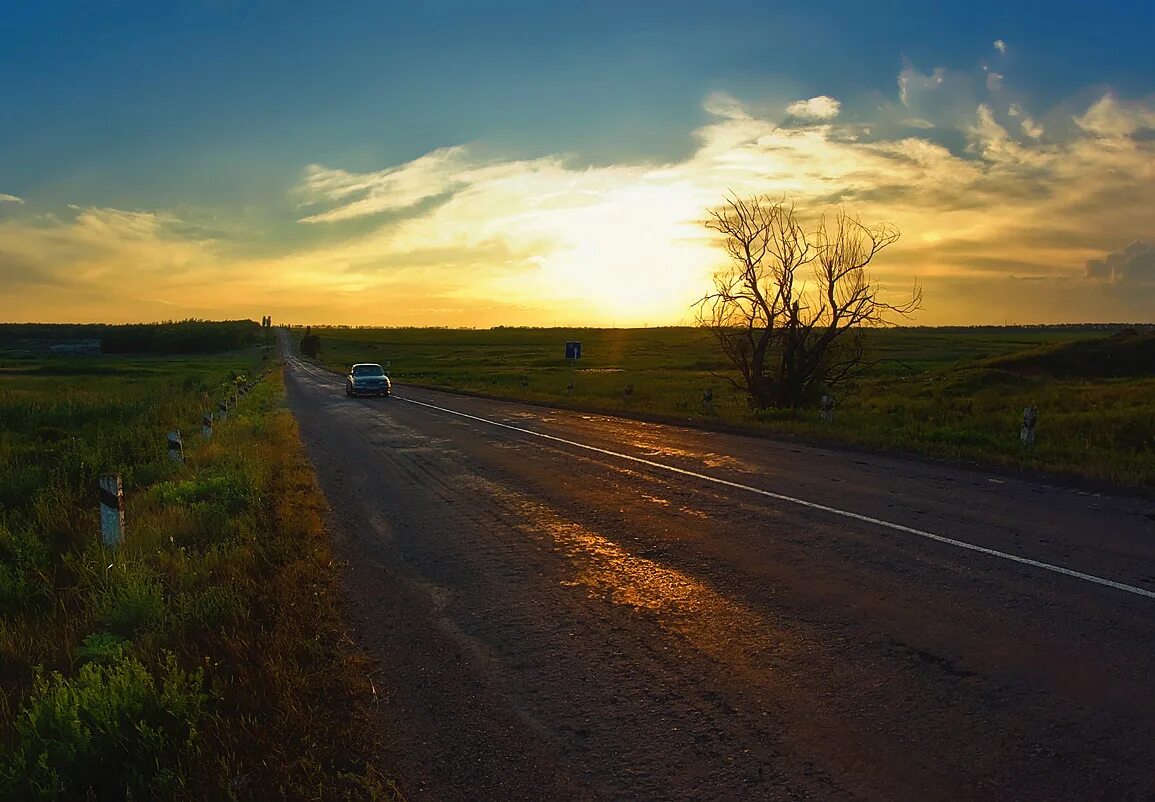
(629, 259)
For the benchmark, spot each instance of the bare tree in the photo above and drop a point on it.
(790, 309)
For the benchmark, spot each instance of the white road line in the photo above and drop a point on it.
(312, 371)
(1058, 569)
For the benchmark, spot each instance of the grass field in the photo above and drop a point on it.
(938, 392)
(205, 658)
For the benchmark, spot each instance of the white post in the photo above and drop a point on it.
(708, 400)
(175, 447)
(222, 411)
(207, 424)
(828, 408)
(1027, 433)
(111, 510)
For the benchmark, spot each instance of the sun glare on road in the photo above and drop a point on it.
(705, 619)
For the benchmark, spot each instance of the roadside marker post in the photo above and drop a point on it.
(573, 352)
(708, 400)
(627, 392)
(828, 408)
(207, 424)
(1027, 433)
(223, 410)
(111, 510)
(175, 447)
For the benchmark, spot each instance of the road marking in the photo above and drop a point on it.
(312, 371)
(1058, 569)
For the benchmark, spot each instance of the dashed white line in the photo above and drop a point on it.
(1058, 569)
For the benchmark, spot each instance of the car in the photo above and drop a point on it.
(367, 378)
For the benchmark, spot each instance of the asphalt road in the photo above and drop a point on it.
(571, 606)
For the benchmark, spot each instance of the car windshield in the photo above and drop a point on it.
(368, 370)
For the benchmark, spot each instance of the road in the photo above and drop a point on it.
(577, 606)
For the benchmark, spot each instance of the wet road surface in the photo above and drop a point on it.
(575, 606)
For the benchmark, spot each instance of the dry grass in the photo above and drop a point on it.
(207, 658)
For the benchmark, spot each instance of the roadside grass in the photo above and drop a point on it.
(204, 659)
(936, 392)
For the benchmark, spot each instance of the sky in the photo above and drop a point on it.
(499, 163)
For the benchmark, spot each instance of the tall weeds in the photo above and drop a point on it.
(204, 659)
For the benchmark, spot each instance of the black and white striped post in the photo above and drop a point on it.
(708, 400)
(1030, 420)
(111, 510)
(222, 411)
(207, 425)
(828, 409)
(175, 447)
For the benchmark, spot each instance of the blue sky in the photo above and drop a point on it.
(207, 115)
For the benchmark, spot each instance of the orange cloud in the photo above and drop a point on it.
(1001, 217)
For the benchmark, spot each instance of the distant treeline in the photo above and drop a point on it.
(1037, 327)
(15, 332)
(183, 337)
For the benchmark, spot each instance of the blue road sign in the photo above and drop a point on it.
(573, 350)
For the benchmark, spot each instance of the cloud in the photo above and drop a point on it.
(1031, 128)
(456, 236)
(104, 263)
(1001, 46)
(988, 201)
(912, 83)
(1027, 125)
(1134, 264)
(721, 104)
(389, 190)
(5, 198)
(944, 97)
(822, 107)
(1110, 118)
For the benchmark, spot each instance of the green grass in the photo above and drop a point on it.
(939, 392)
(205, 658)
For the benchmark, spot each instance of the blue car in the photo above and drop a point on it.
(367, 378)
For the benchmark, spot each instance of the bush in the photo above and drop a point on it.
(310, 345)
(102, 647)
(207, 610)
(131, 600)
(22, 582)
(232, 490)
(110, 732)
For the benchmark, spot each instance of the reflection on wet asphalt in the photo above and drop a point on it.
(705, 619)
